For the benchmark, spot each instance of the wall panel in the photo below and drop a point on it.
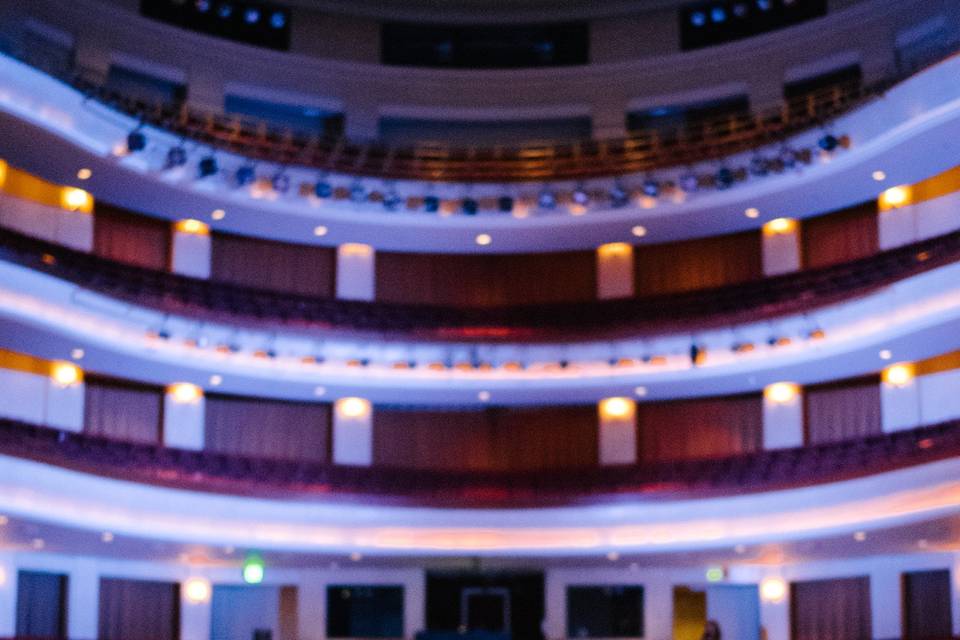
(264, 264)
(698, 264)
(841, 236)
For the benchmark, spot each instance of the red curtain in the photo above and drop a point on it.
(927, 605)
(841, 236)
(494, 280)
(698, 264)
(699, 428)
(123, 411)
(491, 440)
(844, 410)
(267, 428)
(133, 239)
(41, 605)
(275, 266)
(836, 609)
(139, 610)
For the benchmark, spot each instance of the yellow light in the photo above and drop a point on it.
(614, 249)
(185, 393)
(76, 200)
(483, 239)
(66, 374)
(639, 230)
(773, 589)
(781, 392)
(84, 174)
(616, 408)
(353, 407)
(895, 197)
(3, 172)
(779, 226)
(356, 249)
(196, 590)
(899, 375)
(752, 213)
(193, 226)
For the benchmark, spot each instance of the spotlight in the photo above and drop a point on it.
(431, 204)
(202, 5)
(357, 192)
(689, 182)
(547, 200)
(580, 195)
(251, 16)
(718, 14)
(469, 206)
(136, 141)
(695, 354)
(281, 182)
(246, 175)
(225, 11)
(505, 204)
(789, 158)
(759, 166)
(828, 142)
(724, 178)
(619, 197)
(740, 10)
(207, 167)
(764, 5)
(176, 157)
(651, 188)
(392, 201)
(698, 18)
(278, 20)
(323, 189)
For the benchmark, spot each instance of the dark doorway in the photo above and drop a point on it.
(505, 604)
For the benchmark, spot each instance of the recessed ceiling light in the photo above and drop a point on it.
(84, 174)
(740, 549)
(483, 396)
(77, 354)
(218, 214)
(356, 556)
(107, 537)
(319, 231)
(860, 536)
(885, 354)
(923, 543)
(4, 520)
(752, 212)
(215, 380)
(483, 239)
(319, 391)
(879, 176)
(639, 230)
(613, 556)
(38, 543)
(640, 391)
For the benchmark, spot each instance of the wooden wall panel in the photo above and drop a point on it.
(131, 238)
(486, 280)
(122, 410)
(841, 236)
(487, 440)
(698, 264)
(699, 428)
(276, 266)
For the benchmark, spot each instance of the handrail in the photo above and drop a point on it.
(746, 302)
(257, 476)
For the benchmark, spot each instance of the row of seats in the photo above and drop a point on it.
(747, 302)
(204, 471)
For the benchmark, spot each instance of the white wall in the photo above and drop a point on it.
(72, 229)
(925, 400)
(36, 399)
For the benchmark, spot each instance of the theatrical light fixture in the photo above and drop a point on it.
(619, 197)
(895, 197)
(779, 226)
(759, 166)
(323, 189)
(431, 204)
(689, 182)
(392, 200)
(176, 157)
(76, 199)
(469, 206)
(724, 178)
(357, 192)
(616, 408)
(505, 204)
(280, 182)
(136, 141)
(828, 142)
(246, 175)
(547, 199)
(580, 196)
(651, 188)
(192, 226)
(207, 167)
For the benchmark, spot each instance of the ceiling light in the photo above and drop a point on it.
(185, 393)
(616, 408)
(639, 230)
(773, 589)
(483, 396)
(885, 354)
(77, 354)
(218, 214)
(860, 536)
(483, 239)
(106, 537)
(613, 556)
(320, 231)
(84, 174)
(641, 392)
(197, 590)
(76, 199)
(779, 226)
(66, 374)
(356, 556)
(319, 391)
(895, 196)
(899, 375)
(192, 226)
(752, 213)
(879, 176)
(781, 392)
(353, 407)
(216, 380)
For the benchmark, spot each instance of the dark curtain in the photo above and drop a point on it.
(836, 609)
(926, 605)
(486, 280)
(139, 610)
(841, 236)
(845, 410)
(123, 411)
(133, 239)
(275, 266)
(41, 605)
(488, 440)
(699, 428)
(698, 264)
(267, 428)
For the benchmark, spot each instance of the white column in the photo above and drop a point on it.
(885, 601)
(414, 605)
(617, 424)
(658, 610)
(195, 616)
(555, 606)
(782, 416)
(614, 271)
(896, 227)
(356, 272)
(312, 608)
(64, 406)
(775, 619)
(190, 249)
(83, 599)
(955, 593)
(184, 414)
(75, 230)
(353, 432)
(899, 402)
(8, 596)
(781, 246)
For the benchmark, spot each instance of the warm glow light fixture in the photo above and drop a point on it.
(353, 407)
(899, 375)
(773, 589)
(193, 226)
(76, 200)
(66, 374)
(616, 408)
(84, 174)
(483, 239)
(185, 393)
(895, 197)
(879, 176)
(639, 230)
(197, 590)
(614, 249)
(779, 226)
(319, 231)
(752, 213)
(781, 392)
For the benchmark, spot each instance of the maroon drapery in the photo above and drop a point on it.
(123, 411)
(139, 610)
(267, 428)
(845, 410)
(699, 428)
(486, 280)
(495, 439)
(276, 266)
(927, 605)
(837, 609)
(841, 236)
(129, 238)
